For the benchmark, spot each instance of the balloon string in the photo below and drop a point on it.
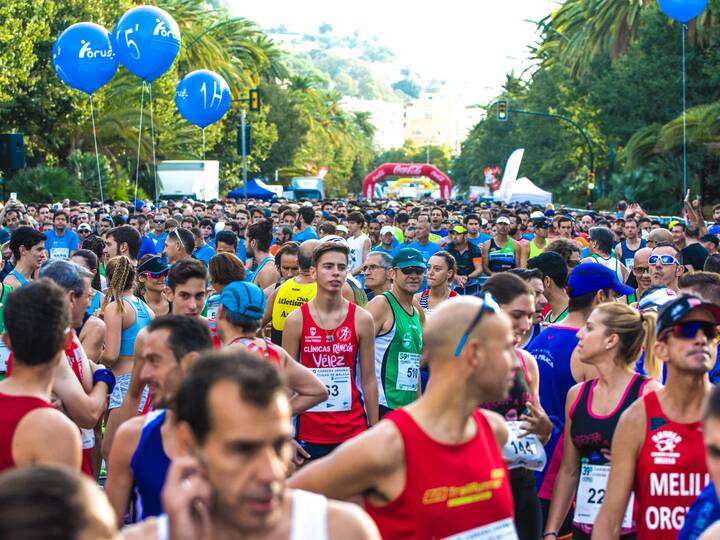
(203, 137)
(684, 109)
(137, 165)
(152, 140)
(97, 154)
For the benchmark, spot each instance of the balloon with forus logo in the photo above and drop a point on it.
(202, 97)
(147, 41)
(83, 57)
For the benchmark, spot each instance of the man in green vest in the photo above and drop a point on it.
(398, 333)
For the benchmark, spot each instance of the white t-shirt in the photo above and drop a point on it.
(357, 251)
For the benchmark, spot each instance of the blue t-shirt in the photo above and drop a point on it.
(147, 246)
(552, 349)
(60, 247)
(714, 229)
(704, 512)
(159, 242)
(307, 234)
(441, 232)
(427, 250)
(204, 254)
(481, 239)
(381, 249)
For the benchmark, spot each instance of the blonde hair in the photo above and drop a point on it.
(636, 331)
(120, 277)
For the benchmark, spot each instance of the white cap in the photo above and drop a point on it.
(334, 238)
(342, 228)
(307, 203)
(393, 204)
(387, 229)
(503, 219)
(537, 214)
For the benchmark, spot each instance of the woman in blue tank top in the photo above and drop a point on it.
(125, 315)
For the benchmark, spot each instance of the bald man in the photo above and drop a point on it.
(659, 236)
(433, 469)
(641, 271)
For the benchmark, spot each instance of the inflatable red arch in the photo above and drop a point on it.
(407, 169)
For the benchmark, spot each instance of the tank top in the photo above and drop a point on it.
(12, 410)
(308, 518)
(268, 353)
(628, 255)
(260, 267)
(4, 350)
(534, 250)
(425, 300)
(397, 357)
(592, 436)
(501, 259)
(357, 248)
(610, 262)
(142, 319)
(671, 472)
(21, 279)
(95, 304)
(290, 296)
(211, 309)
(332, 355)
(451, 490)
(149, 465)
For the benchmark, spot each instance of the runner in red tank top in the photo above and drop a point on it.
(658, 448)
(336, 341)
(434, 469)
(240, 310)
(31, 430)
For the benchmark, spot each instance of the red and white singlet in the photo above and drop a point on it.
(332, 355)
(671, 472)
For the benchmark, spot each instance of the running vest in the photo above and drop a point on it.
(534, 250)
(451, 491)
(74, 358)
(610, 262)
(628, 255)
(142, 319)
(211, 309)
(501, 259)
(268, 353)
(308, 518)
(260, 266)
(290, 296)
(4, 351)
(671, 472)
(21, 279)
(149, 465)
(424, 300)
(95, 304)
(332, 355)
(592, 436)
(12, 410)
(397, 357)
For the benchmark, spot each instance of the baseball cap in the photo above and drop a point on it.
(542, 222)
(386, 229)
(503, 219)
(537, 214)
(459, 229)
(342, 228)
(154, 264)
(408, 258)
(656, 298)
(591, 277)
(243, 298)
(676, 309)
(84, 227)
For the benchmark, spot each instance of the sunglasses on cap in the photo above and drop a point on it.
(665, 260)
(413, 270)
(179, 238)
(689, 329)
(489, 306)
(155, 275)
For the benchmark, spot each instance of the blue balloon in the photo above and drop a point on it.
(147, 40)
(83, 57)
(683, 10)
(202, 97)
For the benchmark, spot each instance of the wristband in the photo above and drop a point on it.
(106, 376)
(554, 534)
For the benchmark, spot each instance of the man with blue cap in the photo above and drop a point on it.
(242, 305)
(589, 285)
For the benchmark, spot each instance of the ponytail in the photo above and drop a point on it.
(653, 367)
(120, 276)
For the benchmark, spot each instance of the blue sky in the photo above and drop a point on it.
(470, 44)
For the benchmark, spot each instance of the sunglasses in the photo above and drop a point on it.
(155, 275)
(640, 270)
(665, 260)
(689, 329)
(179, 238)
(159, 221)
(412, 271)
(489, 306)
(83, 231)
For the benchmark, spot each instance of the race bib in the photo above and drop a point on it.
(500, 530)
(4, 355)
(337, 381)
(408, 371)
(59, 253)
(525, 452)
(629, 263)
(88, 438)
(591, 493)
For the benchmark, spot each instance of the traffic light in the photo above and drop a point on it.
(502, 110)
(254, 100)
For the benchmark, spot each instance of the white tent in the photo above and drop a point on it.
(523, 190)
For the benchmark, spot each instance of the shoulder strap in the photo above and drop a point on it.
(652, 406)
(581, 396)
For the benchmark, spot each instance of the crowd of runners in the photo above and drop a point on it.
(354, 369)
